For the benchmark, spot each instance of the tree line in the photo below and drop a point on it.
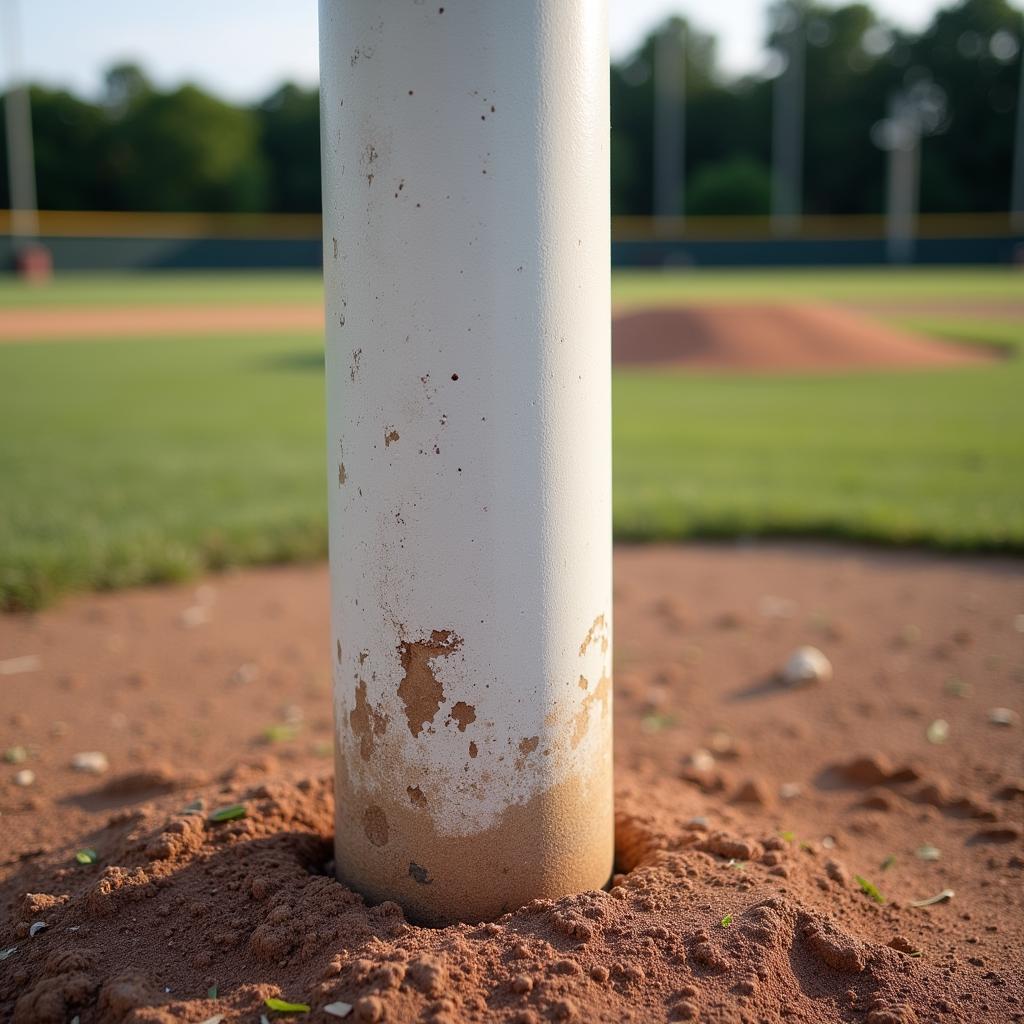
(139, 147)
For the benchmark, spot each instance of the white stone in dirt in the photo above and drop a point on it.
(338, 1009)
(806, 666)
(36, 928)
(93, 762)
(25, 777)
(1003, 716)
(15, 666)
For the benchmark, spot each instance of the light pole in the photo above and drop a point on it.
(669, 121)
(788, 127)
(466, 268)
(21, 176)
(1017, 187)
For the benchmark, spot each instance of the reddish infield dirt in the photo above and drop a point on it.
(91, 323)
(749, 338)
(746, 809)
(778, 338)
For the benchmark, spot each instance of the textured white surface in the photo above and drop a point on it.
(466, 264)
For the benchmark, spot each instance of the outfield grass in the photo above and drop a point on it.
(629, 288)
(124, 462)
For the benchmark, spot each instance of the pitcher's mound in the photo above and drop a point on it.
(777, 338)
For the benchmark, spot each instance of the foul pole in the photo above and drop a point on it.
(466, 267)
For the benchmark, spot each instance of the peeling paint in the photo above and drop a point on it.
(419, 874)
(420, 690)
(464, 714)
(581, 720)
(598, 633)
(342, 475)
(416, 796)
(375, 825)
(390, 436)
(366, 722)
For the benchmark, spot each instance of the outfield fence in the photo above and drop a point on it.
(92, 240)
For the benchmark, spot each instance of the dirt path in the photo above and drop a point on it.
(746, 809)
(762, 338)
(88, 322)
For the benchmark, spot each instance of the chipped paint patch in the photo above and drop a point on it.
(420, 690)
(416, 796)
(598, 633)
(390, 436)
(342, 475)
(375, 825)
(464, 714)
(581, 720)
(473, 749)
(366, 722)
(419, 874)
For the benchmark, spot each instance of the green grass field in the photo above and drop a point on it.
(124, 463)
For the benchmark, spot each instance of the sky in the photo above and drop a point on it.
(242, 49)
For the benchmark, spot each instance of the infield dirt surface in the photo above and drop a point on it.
(747, 810)
(745, 337)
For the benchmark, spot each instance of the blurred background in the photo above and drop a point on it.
(787, 131)
(818, 222)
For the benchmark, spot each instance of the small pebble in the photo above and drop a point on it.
(15, 755)
(701, 760)
(772, 607)
(92, 761)
(806, 666)
(25, 777)
(196, 615)
(338, 1009)
(938, 731)
(15, 666)
(1003, 716)
(790, 790)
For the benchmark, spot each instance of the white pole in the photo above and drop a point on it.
(466, 266)
(21, 176)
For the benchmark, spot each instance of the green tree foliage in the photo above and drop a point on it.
(290, 137)
(972, 52)
(739, 185)
(182, 150)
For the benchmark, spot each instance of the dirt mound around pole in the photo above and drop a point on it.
(802, 852)
(777, 338)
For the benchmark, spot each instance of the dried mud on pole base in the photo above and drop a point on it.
(772, 840)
